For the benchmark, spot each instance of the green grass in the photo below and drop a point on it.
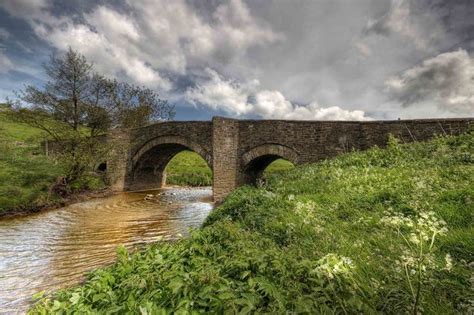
(25, 174)
(187, 168)
(277, 167)
(383, 231)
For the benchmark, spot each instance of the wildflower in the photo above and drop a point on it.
(306, 211)
(449, 262)
(333, 265)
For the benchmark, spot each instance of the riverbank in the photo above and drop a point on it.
(30, 181)
(55, 204)
(381, 231)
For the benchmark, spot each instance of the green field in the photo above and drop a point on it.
(383, 231)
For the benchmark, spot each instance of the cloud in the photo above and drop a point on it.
(417, 26)
(155, 40)
(5, 63)
(25, 8)
(4, 34)
(446, 81)
(268, 56)
(247, 99)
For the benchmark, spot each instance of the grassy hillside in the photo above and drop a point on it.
(383, 231)
(25, 174)
(187, 168)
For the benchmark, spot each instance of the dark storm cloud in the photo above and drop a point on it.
(446, 80)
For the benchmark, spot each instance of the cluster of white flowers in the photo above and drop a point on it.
(429, 222)
(396, 220)
(419, 234)
(411, 262)
(449, 262)
(333, 265)
(364, 220)
(306, 210)
(425, 227)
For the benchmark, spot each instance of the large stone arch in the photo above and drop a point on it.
(256, 160)
(148, 163)
(171, 139)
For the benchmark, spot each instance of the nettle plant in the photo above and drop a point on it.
(418, 261)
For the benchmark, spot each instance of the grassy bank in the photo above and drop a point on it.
(382, 231)
(25, 174)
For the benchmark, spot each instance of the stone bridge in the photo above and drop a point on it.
(238, 151)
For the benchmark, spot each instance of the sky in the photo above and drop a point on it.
(259, 59)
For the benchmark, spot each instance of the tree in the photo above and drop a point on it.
(77, 106)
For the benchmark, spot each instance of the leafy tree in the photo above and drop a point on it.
(77, 105)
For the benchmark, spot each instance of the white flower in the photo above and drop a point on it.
(449, 262)
(332, 265)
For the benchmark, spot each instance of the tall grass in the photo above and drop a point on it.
(383, 231)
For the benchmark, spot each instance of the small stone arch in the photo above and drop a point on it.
(255, 160)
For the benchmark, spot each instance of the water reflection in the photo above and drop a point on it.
(54, 249)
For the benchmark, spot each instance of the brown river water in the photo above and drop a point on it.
(54, 249)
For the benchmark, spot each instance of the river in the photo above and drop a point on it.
(54, 249)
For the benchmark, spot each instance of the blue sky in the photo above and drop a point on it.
(275, 59)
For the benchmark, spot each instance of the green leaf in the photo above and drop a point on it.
(75, 297)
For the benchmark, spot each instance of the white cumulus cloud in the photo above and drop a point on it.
(246, 99)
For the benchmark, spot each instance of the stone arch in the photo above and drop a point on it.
(147, 167)
(179, 140)
(256, 160)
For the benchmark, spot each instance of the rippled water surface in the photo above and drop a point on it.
(54, 249)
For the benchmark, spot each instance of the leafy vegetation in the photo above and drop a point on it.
(278, 166)
(386, 231)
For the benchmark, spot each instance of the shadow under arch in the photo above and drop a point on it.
(148, 163)
(256, 160)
